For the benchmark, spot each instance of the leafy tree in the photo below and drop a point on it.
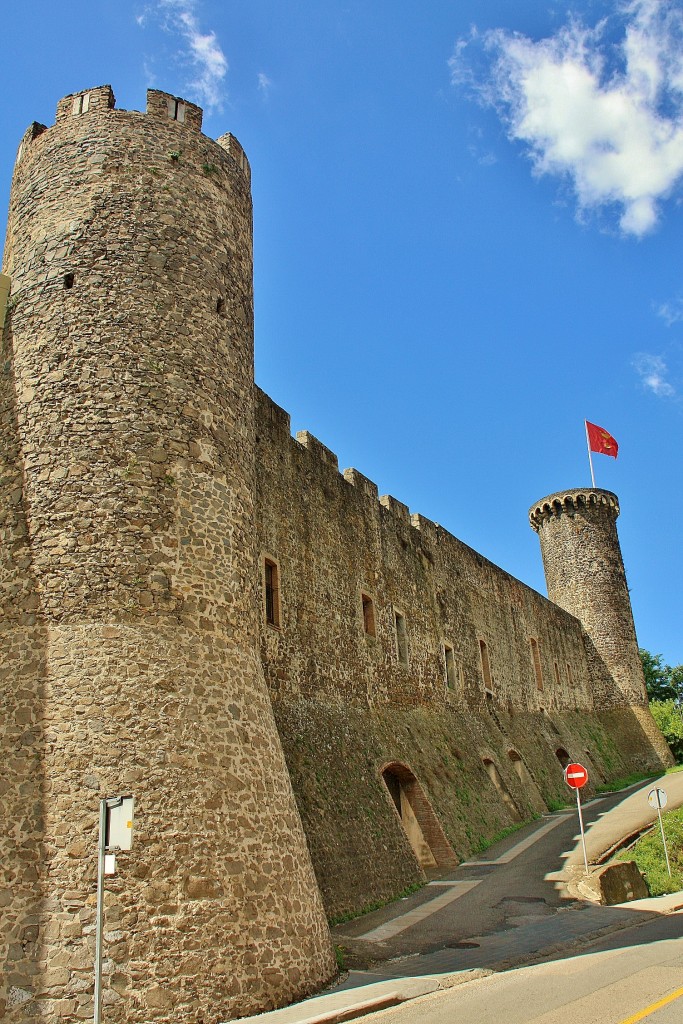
(662, 682)
(677, 681)
(668, 715)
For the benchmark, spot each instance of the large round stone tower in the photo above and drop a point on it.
(129, 634)
(584, 571)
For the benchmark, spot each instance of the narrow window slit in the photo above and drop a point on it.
(486, 667)
(271, 592)
(176, 110)
(536, 659)
(401, 638)
(451, 674)
(368, 615)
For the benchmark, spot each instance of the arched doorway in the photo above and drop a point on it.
(421, 825)
(503, 792)
(525, 777)
(562, 756)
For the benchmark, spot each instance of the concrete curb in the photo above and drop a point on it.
(356, 1009)
(345, 1004)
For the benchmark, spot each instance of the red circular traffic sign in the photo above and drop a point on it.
(575, 775)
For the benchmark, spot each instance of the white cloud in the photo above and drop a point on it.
(264, 84)
(150, 75)
(671, 312)
(653, 371)
(485, 158)
(202, 50)
(607, 116)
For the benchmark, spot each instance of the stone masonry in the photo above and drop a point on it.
(313, 695)
(129, 619)
(585, 574)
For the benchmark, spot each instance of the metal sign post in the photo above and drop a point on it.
(657, 798)
(576, 776)
(583, 834)
(101, 847)
(116, 833)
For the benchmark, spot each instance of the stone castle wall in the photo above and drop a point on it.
(128, 596)
(146, 488)
(334, 540)
(346, 706)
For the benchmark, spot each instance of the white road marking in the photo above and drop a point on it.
(456, 888)
(400, 924)
(515, 851)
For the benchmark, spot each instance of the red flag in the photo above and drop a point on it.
(599, 440)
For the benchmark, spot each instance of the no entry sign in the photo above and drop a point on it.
(575, 775)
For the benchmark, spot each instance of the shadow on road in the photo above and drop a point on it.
(517, 904)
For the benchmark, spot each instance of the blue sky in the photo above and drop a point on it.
(467, 237)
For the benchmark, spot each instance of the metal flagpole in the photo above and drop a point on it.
(590, 457)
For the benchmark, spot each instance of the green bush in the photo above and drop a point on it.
(648, 853)
(669, 717)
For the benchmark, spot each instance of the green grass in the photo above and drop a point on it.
(648, 853)
(675, 768)
(630, 780)
(375, 905)
(557, 805)
(483, 843)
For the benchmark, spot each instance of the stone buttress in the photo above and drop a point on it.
(129, 630)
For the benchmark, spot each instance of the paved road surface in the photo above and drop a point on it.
(611, 983)
(507, 904)
(510, 907)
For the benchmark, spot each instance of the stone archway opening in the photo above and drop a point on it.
(503, 791)
(420, 823)
(526, 778)
(563, 757)
(520, 768)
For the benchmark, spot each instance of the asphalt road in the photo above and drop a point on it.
(635, 975)
(517, 905)
(521, 882)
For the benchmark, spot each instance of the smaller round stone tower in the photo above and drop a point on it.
(584, 572)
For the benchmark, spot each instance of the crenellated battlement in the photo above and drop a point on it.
(87, 101)
(356, 479)
(396, 508)
(163, 107)
(166, 107)
(278, 423)
(317, 449)
(568, 502)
